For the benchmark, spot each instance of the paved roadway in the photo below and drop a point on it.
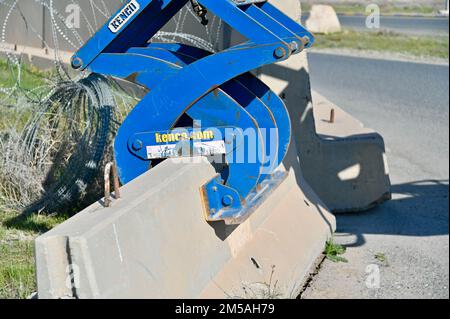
(409, 25)
(408, 103)
(406, 24)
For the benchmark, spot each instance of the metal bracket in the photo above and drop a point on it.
(111, 168)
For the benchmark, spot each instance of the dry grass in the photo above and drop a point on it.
(17, 269)
(385, 8)
(437, 47)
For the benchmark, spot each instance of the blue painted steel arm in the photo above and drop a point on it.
(292, 25)
(250, 28)
(275, 26)
(212, 88)
(149, 17)
(191, 83)
(267, 121)
(149, 66)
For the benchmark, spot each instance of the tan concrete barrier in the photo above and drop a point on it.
(155, 243)
(343, 162)
(323, 19)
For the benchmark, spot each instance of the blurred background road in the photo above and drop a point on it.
(408, 104)
(401, 24)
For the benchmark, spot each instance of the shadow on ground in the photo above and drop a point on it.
(417, 209)
(38, 224)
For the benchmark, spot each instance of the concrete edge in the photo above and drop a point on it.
(100, 253)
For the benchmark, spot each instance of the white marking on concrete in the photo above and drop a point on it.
(273, 234)
(116, 237)
(88, 267)
(386, 164)
(239, 238)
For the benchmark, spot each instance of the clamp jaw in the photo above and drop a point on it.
(216, 91)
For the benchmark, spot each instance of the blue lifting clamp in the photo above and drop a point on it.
(200, 103)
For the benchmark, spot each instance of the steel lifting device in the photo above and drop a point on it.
(201, 103)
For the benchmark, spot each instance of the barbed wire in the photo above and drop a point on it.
(57, 136)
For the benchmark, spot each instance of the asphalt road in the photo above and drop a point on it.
(399, 24)
(408, 103)
(409, 25)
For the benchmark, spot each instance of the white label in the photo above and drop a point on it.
(124, 16)
(210, 148)
(161, 151)
(200, 149)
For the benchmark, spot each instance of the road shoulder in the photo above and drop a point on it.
(390, 56)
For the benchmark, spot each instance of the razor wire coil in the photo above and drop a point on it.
(55, 158)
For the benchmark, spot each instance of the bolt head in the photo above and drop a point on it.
(227, 200)
(77, 62)
(280, 53)
(294, 46)
(306, 40)
(137, 145)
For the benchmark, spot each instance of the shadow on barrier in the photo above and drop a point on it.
(311, 153)
(418, 209)
(324, 158)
